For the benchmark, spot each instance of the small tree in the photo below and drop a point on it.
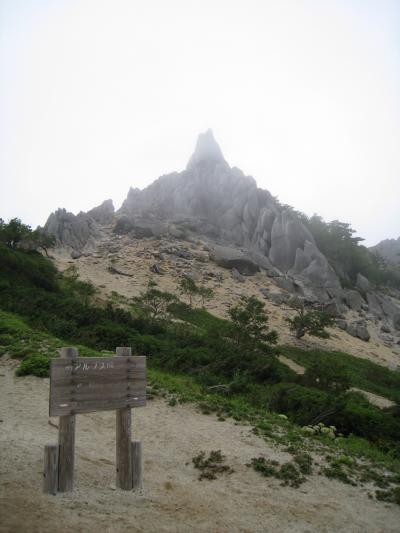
(311, 322)
(205, 294)
(249, 326)
(42, 240)
(187, 287)
(155, 303)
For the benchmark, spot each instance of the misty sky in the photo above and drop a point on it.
(96, 96)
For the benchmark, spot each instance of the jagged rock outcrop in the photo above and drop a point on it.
(103, 213)
(389, 250)
(75, 232)
(385, 307)
(223, 204)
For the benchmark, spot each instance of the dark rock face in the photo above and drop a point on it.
(233, 258)
(222, 203)
(73, 231)
(123, 225)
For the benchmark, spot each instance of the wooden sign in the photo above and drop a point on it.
(87, 384)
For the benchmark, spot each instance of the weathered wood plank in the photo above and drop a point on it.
(90, 384)
(123, 438)
(137, 465)
(66, 440)
(97, 405)
(50, 470)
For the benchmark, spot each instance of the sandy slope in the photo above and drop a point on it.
(137, 256)
(173, 499)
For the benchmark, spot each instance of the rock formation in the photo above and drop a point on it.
(74, 232)
(389, 250)
(221, 203)
(244, 229)
(104, 213)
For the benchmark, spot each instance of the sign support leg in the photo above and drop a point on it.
(123, 438)
(66, 440)
(50, 473)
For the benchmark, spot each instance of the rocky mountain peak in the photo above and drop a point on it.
(207, 150)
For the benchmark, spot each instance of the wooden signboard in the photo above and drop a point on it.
(88, 384)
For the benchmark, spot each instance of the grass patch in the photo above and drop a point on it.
(361, 373)
(289, 473)
(212, 465)
(34, 348)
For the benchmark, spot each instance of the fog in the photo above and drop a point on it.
(96, 96)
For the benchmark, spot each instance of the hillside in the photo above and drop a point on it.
(211, 219)
(134, 258)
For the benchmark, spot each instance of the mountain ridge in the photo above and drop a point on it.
(243, 227)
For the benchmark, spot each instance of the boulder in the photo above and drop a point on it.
(265, 292)
(237, 276)
(227, 257)
(353, 299)
(278, 298)
(287, 284)
(358, 329)
(332, 309)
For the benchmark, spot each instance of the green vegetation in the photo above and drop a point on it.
(290, 473)
(14, 234)
(194, 293)
(212, 465)
(357, 372)
(227, 367)
(155, 304)
(336, 241)
(312, 322)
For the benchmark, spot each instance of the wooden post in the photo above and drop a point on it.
(123, 438)
(50, 472)
(66, 440)
(137, 468)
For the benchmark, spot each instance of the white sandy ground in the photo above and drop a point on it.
(173, 500)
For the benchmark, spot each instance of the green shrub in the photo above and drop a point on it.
(327, 375)
(36, 364)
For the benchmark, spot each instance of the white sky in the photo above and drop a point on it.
(96, 96)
